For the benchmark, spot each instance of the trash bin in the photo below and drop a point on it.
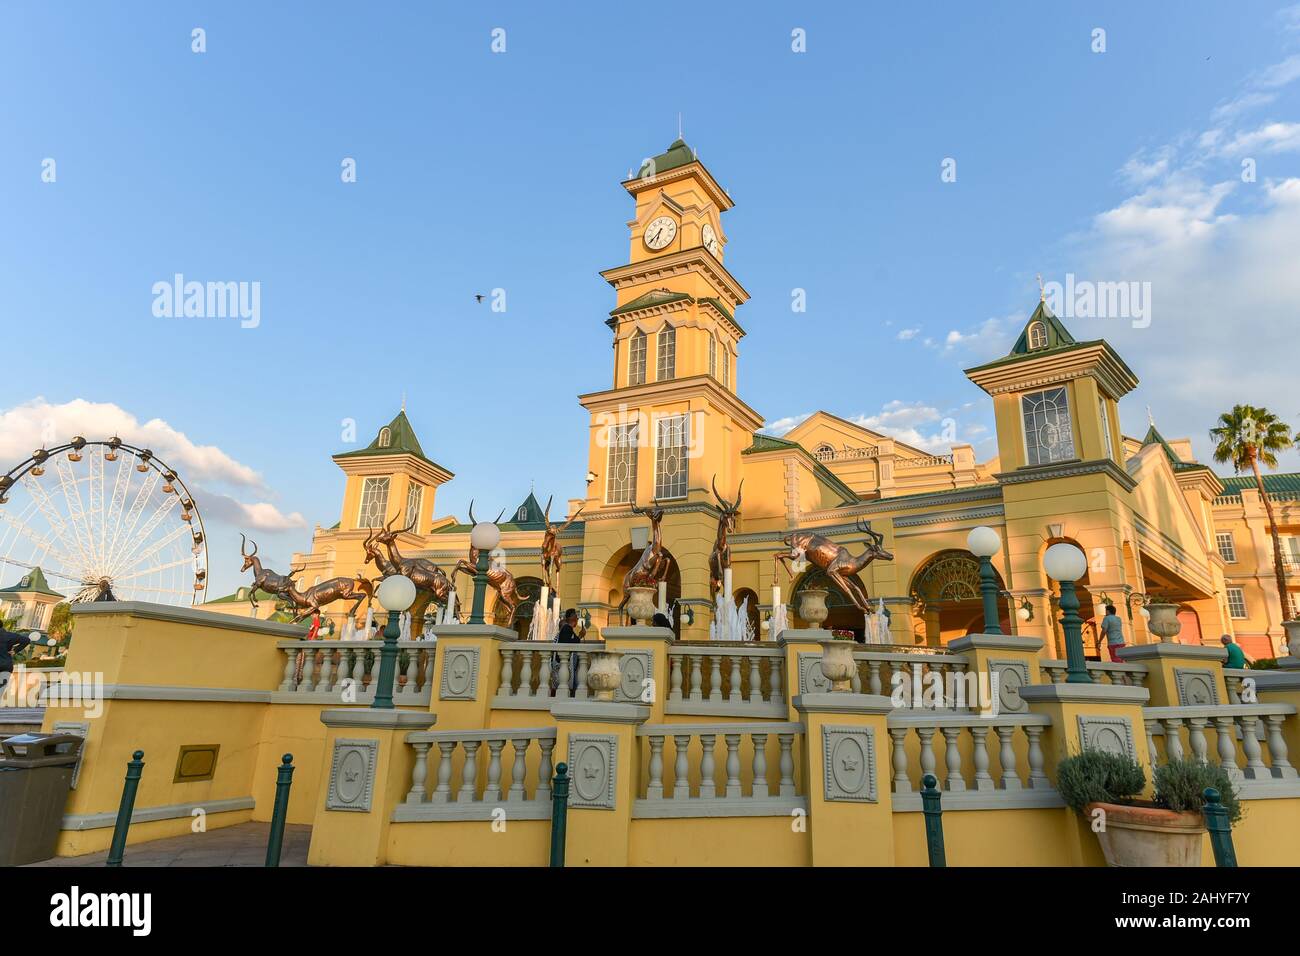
(35, 776)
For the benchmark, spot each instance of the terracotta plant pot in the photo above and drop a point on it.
(1148, 836)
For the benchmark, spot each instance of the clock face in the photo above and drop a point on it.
(660, 232)
(709, 238)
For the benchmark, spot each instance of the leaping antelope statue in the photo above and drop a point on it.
(264, 579)
(720, 557)
(654, 563)
(432, 585)
(502, 581)
(836, 561)
(317, 596)
(552, 557)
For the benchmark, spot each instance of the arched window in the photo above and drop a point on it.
(824, 452)
(1037, 336)
(636, 359)
(666, 366)
(385, 437)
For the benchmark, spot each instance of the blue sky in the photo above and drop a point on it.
(479, 170)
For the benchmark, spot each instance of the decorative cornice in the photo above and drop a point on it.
(185, 615)
(1068, 469)
(907, 502)
(684, 262)
(674, 390)
(967, 514)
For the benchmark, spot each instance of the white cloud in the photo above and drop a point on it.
(905, 334)
(1269, 138)
(780, 426)
(37, 423)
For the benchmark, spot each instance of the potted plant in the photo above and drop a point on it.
(1166, 831)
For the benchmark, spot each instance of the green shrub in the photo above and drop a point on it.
(1094, 776)
(1180, 785)
(1263, 664)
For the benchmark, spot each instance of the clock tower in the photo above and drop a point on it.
(671, 421)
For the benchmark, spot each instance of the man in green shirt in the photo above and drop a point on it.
(1236, 656)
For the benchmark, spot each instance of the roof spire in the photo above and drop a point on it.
(403, 399)
(1151, 419)
(1042, 295)
(679, 125)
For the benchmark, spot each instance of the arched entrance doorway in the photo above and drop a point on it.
(521, 622)
(946, 599)
(617, 570)
(844, 614)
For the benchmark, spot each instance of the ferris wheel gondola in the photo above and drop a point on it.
(104, 520)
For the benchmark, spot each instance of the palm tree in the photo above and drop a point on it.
(1246, 436)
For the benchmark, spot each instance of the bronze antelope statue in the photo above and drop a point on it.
(836, 561)
(327, 592)
(720, 557)
(264, 579)
(431, 583)
(652, 567)
(551, 550)
(501, 580)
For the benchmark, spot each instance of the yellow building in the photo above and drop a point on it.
(673, 423)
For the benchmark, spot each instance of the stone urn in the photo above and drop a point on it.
(812, 606)
(603, 673)
(1164, 621)
(1292, 637)
(641, 605)
(838, 664)
(1148, 836)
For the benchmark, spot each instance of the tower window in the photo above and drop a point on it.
(666, 366)
(713, 356)
(670, 457)
(1227, 546)
(636, 359)
(414, 501)
(1105, 427)
(726, 368)
(1037, 336)
(385, 437)
(620, 485)
(374, 503)
(1048, 434)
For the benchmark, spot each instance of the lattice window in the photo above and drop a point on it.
(726, 368)
(636, 359)
(670, 457)
(1105, 427)
(385, 437)
(1236, 603)
(1227, 546)
(620, 471)
(713, 356)
(374, 503)
(414, 501)
(1048, 435)
(666, 367)
(1037, 336)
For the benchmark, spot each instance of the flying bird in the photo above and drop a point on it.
(477, 297)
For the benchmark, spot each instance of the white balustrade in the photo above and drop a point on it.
(877, 669)
(727, 679)
(1244, 734)
(470, 774)
(346, 671)
(535, 672)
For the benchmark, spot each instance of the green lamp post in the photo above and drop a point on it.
(396, 593)
(1065, 564)
(984, 543)
(483, 537)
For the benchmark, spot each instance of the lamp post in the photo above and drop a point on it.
(483, 538)
(984, 543)
(396, 594)
(1065, 564)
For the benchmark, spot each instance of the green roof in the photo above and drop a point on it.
(677, 154)
(1153, 437)
(1284, 485)
(529, 516)
(762, 443)
(1058, 336)
(242, 596)
(652, 298)
(33, 582)
(399, 440)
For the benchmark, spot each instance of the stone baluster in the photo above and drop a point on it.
(855, 682)
(787, 764)
(734, 695)
(1234, 688)
(526, 675)
(715, 678)
(1037, 775)
(442, 792)
(419, 774)
(343, 671)
(562, 684)
(697, 679)
(290, 655)
(581, 690)
(519, 772)
(980, 757)
(952, 759)
(325, 679)
(655, 788)
(359, 670)
(1058, 676)
(1007, 757)
(544, 769)
(733, 764)
(675, 679)
(681, 788)
(1152, 754)
(492, 793)
(755, 681)
(761, 787)
(544, 676)
(306, 686)
(1277, 747)
(1196, 737)
(1255, 768)
(469, 773)
(1226, 743)
(926, 736)
(507, 673)
(874, 668)
(1173, 738)
(412, 671)
(902, 783)
(708, 788)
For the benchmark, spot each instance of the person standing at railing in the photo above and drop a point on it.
(570, 632)
(10, 643)
(1113, 628)
(1236, 656)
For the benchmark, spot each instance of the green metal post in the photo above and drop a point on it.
(1072, 624)
(388, 663)
(134, 768)
(559, 813)
(480, 588)
(989, 591)
(283, 780)
(932, 810)
(1216, 821)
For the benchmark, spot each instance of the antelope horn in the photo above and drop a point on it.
(411, 525)
(548, 508)
(388, 525)
(471, 512)
(498, 520)
(739, 489)
(243, 545)
(721, 500)
(254, 544)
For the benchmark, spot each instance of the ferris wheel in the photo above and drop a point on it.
(103, 520)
